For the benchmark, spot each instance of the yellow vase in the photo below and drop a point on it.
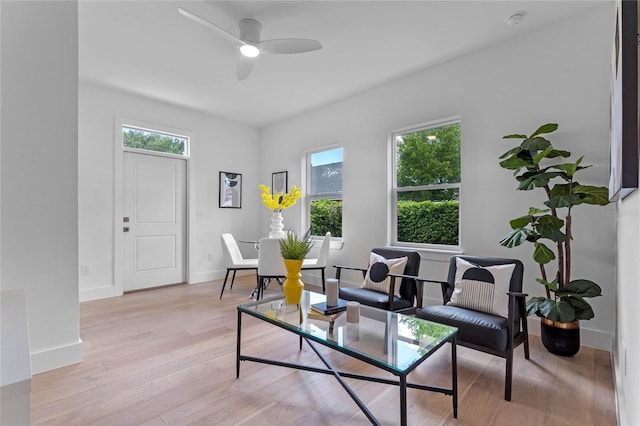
(292, 286)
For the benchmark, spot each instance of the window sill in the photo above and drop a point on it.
(336, 243)
(438, 254)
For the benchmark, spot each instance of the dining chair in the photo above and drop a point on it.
(270, 265)
(320, 262)
(233, 259)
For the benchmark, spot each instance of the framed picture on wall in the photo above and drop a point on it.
(623, 157)
(279, 182)
(230, 190)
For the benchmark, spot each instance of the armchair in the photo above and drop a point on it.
(381, 288)
(494, 325)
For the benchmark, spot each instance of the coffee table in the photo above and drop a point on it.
(390, 341)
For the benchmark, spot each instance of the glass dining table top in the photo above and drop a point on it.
(393, 341)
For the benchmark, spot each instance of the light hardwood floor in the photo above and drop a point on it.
(167, 357)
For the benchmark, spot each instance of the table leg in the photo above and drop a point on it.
(300, 319)
(403, 399)
(454, 377)
(238, 344)
(346, 387)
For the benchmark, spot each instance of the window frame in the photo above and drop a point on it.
(392, 207)
(306, 211)
(158, 130)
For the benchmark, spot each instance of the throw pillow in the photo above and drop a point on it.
(482, 288)
(377, 275)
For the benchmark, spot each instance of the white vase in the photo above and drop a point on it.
(276, 226)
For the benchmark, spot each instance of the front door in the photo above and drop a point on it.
(154, 220)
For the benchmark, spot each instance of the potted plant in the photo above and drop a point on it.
(293, 250)
(537, 164)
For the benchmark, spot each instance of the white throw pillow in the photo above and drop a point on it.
(482, 288)
(379, 268)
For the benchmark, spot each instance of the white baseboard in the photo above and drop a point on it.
(309, 277)
(57, 357)
(205, 276)
(97, 293)
(313, 279)
(621, 401)
(110, 291)
(215, 275)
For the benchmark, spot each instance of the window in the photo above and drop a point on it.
(426, 185)
(324, 176)
(151, 140)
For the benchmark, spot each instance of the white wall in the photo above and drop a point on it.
(626, 349)
(39, 173)
(15, 359)
(559, 73)
(216, 145)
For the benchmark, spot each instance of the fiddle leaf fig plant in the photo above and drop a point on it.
(537, 164)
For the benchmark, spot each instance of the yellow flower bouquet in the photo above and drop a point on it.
(280, 201)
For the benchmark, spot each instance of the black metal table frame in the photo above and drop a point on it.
(339, 375)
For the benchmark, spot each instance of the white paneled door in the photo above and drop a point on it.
(154, 221)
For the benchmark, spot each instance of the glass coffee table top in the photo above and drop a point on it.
(390, 340)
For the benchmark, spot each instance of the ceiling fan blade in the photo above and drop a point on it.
(209, 25)
(245, 66)
(288, 45)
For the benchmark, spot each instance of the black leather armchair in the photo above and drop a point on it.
(482, 331)
(410, 293)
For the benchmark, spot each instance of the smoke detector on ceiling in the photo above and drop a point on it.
(515, 19)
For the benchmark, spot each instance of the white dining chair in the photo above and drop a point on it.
(233, 259)
(270, 264)
(321, 261)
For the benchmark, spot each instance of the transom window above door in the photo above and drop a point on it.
(155, 141)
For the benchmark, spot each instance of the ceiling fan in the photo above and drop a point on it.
(250, 44)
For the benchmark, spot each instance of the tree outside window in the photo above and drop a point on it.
(427, 184)
(154, 141)
(324, 173)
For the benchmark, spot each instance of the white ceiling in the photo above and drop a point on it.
(148, 48)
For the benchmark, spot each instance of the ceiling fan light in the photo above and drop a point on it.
(249, 50)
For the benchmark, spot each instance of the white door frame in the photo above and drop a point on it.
(118, 197)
